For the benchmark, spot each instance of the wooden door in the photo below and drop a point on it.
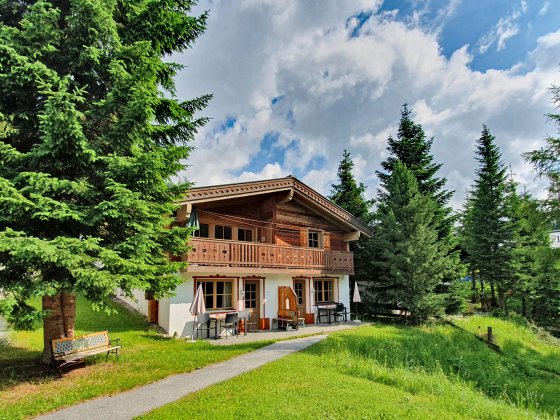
(299, 288)
(252, 302)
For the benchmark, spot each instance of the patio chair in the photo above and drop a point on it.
(230, 324)
(204, 323)
(340, 312)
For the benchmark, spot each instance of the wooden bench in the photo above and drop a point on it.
(68, 351)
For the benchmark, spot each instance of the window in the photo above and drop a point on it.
(218, 294)
(222, 232)
(202, 232)
(324, 290)
(250, 295)
(245, 235)
(314, 239)
(299, 289)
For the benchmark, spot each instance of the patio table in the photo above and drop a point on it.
(327, 308)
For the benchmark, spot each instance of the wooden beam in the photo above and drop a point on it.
(351, 236)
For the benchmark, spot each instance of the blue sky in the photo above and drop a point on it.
(297, 82)
(480, 24)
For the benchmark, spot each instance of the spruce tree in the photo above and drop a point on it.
(348, 194)
(411, 258)
(490, 233)
(91, 133)
(546, 162)
(531, 240)
(412, 148)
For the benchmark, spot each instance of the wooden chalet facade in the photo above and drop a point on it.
(255, 237)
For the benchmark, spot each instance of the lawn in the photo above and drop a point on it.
(385, 371)
(146, 356)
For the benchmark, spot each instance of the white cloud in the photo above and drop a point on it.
(340, 92)
(544, 8)
(505, 29)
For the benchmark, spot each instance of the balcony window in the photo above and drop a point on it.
(314, 239)
(245, 235)
(222, 232)
(218, 294)
(203, 231)
(324, 290)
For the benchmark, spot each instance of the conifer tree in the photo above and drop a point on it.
(546, 162)
(91, 134)
(412, 148)
(490, 233)
(348, 194)
(411, 258)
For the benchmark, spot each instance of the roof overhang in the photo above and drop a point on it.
(293, 188)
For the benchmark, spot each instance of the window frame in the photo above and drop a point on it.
(215, 294)
(319, 239)
(322, 291)
(197, 233)
(224, 227)
(244, 229)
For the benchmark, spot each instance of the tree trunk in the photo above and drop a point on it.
(493, 301)
(60, 321)
(501, 299)
(524, 306)
(473, 296)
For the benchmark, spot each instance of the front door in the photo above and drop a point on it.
(252, 303)
(299, 288)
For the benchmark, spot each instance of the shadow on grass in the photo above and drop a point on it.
(18, 365)
(512, 375)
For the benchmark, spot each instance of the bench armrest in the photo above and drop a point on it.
(115, 342)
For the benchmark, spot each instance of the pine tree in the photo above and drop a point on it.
(412, 148)
(531, 239)
(546, 162)
(490, 232)
(92, 133)
(348, 194)
(411, 258)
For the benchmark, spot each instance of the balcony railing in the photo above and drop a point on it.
(248, 254)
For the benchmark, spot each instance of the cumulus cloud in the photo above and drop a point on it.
(300, 70)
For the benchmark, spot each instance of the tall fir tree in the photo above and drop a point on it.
(531, 240)
(546, 162)
(91, 134)
(348, 194)
(490, 232)
(411, 258)
(412, 148)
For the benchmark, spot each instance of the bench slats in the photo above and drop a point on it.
(66, 351)
(87, 353)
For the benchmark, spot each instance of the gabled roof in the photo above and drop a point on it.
(290, 184)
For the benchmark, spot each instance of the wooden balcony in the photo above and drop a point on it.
(212, 252)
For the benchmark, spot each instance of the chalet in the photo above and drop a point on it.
(255, 238)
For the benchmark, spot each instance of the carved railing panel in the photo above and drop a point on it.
(247, 254)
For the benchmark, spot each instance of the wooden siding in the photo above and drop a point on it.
(247, 254)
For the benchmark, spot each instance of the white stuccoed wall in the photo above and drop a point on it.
(175, 318)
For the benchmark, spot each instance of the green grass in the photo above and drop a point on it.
(385, 371)
(518, 340)
(145, 357)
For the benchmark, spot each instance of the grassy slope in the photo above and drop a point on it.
(145, 357)
(387, 372)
